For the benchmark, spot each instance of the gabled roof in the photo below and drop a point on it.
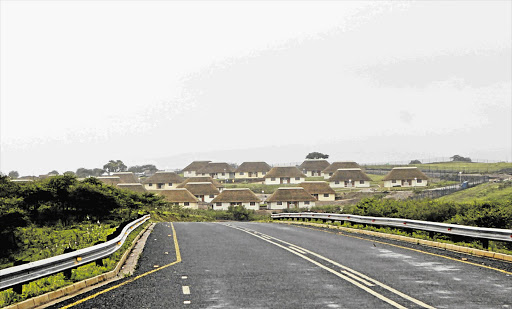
(400, 173)
(291, 194)
(337, 165)
(164, 177)
(253, 167)
(196, 165)
(126, 177)
(284, 171)
(202, 188)
(215, 182)
(346, 174)
(176, 195)
(317, 187)
(216, 167)
(243, 195)
(314, 165)
(109, 180)
(136, 187)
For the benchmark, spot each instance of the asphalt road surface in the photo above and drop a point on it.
(259, 265)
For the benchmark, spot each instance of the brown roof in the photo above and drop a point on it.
(196, 165)
(201, 188)
(314, 165)
(176, 195)
(164, 177)
(243, 195)
(400, 173)
(291, 194)
(110, 180)
(253, 167)
(337, 165)
(317, 187)
(216, 167)
(284, 171)
(353, 174)
(126, 177)
(136, 187)
(215, 182)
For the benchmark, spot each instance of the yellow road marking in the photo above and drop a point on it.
(178, 259)
(338, 274)
(412, 249)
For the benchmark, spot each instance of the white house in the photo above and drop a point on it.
(405, 177)
(162, 181)
(204, 191)
(240, 196)
(284, 175)
(320, 190)
(217, 170)
(191, 169)
(288, 197)
(181, 197)
(252, 170)
(349, 178)
(215, 182)
(331, 169)
(313, 167)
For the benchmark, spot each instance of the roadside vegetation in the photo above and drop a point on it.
(464, 167)
(484, 192)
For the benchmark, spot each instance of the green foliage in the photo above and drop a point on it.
(317, 155)
(240, 213)
(458, 158)
(14, 174)
(415, 162)
(84, 172)
(141, 168)
(114, 166)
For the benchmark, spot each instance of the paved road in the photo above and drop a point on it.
(256, 265)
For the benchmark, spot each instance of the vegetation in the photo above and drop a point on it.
(317, 155)
(415, 162)
(458, 166)
(14, 174)
(457, 158)
(481, 193)
(114, 166)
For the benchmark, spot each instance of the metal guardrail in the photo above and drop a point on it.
(21, 274)
(445, 228)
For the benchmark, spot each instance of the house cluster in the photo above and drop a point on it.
(202, 184)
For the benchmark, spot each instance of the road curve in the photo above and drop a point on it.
(259, 265)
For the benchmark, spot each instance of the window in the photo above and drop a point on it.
(150, 184)
(186, 204)
(361, 182)
(160, 186)
(297, 178)
(393, 181)
(273, 179)
(211, 196)
(418, 180)
(241, 173)
(326, 195)
(170, 184)
(279, 203)
(306, 203)
(253, 203)
(223, 174)
(218, 204)
(337, 182)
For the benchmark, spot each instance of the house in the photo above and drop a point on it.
(162, 181)
(126, 177)
(349, 178)
(284, 175)
(216, 183)
(252, 170)
(284, 198)
(109, 180)
(181, 197)
(204, 191)
(135, 187)
(320, 190)
(331, 169)
(240, 196)
(314, 167)
(217, 170)
(192, 168)
(405, 177)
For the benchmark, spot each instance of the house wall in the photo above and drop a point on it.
(225, 206)
(277, 181)
(355, 184)
(327, 175)
(154, 186)
(313, 173)
(206, 198)
(274, 205)
(322, 198)
(189, 173)
(190, 205)
(413, 183)
(219, 175)
(246, 175)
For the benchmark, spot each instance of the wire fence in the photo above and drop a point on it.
(439, 192)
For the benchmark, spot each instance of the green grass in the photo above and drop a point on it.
(482, 193)
(465, 167)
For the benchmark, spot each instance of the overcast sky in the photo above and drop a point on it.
(168, 82)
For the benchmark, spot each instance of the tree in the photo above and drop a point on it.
(69, 173)
(457, 158)
(142, 168)
(415, 162)
(317, 155)
(114, 166)
(54, 172)
(14, 174)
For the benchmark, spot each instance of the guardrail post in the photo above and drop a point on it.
(485, 243)
(18, 288)
(67, 272)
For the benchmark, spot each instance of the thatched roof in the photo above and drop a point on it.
(216, 167)
(201, 188)
(136, 187)
(243, 195)
(346, 174)
(284, 171)
(126, 177)
(291, 194)
(110, 180)
(215, 182)
(164, 177)
(337, 165)
(317, 187)
(196, 165)
(314, 165)
(253, 167)
(176, 195)
(401, 173)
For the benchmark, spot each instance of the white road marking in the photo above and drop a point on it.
(184, 277)
(186, 290)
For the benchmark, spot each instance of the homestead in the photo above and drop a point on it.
(349, 178)
(162, 181)
(215, 182)
(178, 197)
(284, 175)
(233, 197)
(217, 170)
(252, 170)
(405, 177)
(290, 197)
(319, 190)
(331, 169)
(204, 191)
(191, 169)
(313, 167)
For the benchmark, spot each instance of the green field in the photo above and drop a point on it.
(482, 193)
(464, 167)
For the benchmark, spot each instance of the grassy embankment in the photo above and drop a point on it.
(464, 167)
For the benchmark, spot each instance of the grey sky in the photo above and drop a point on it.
(166, 82)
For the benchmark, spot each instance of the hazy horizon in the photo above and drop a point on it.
(169, 82)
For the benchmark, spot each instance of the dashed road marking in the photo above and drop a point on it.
(186, 290)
